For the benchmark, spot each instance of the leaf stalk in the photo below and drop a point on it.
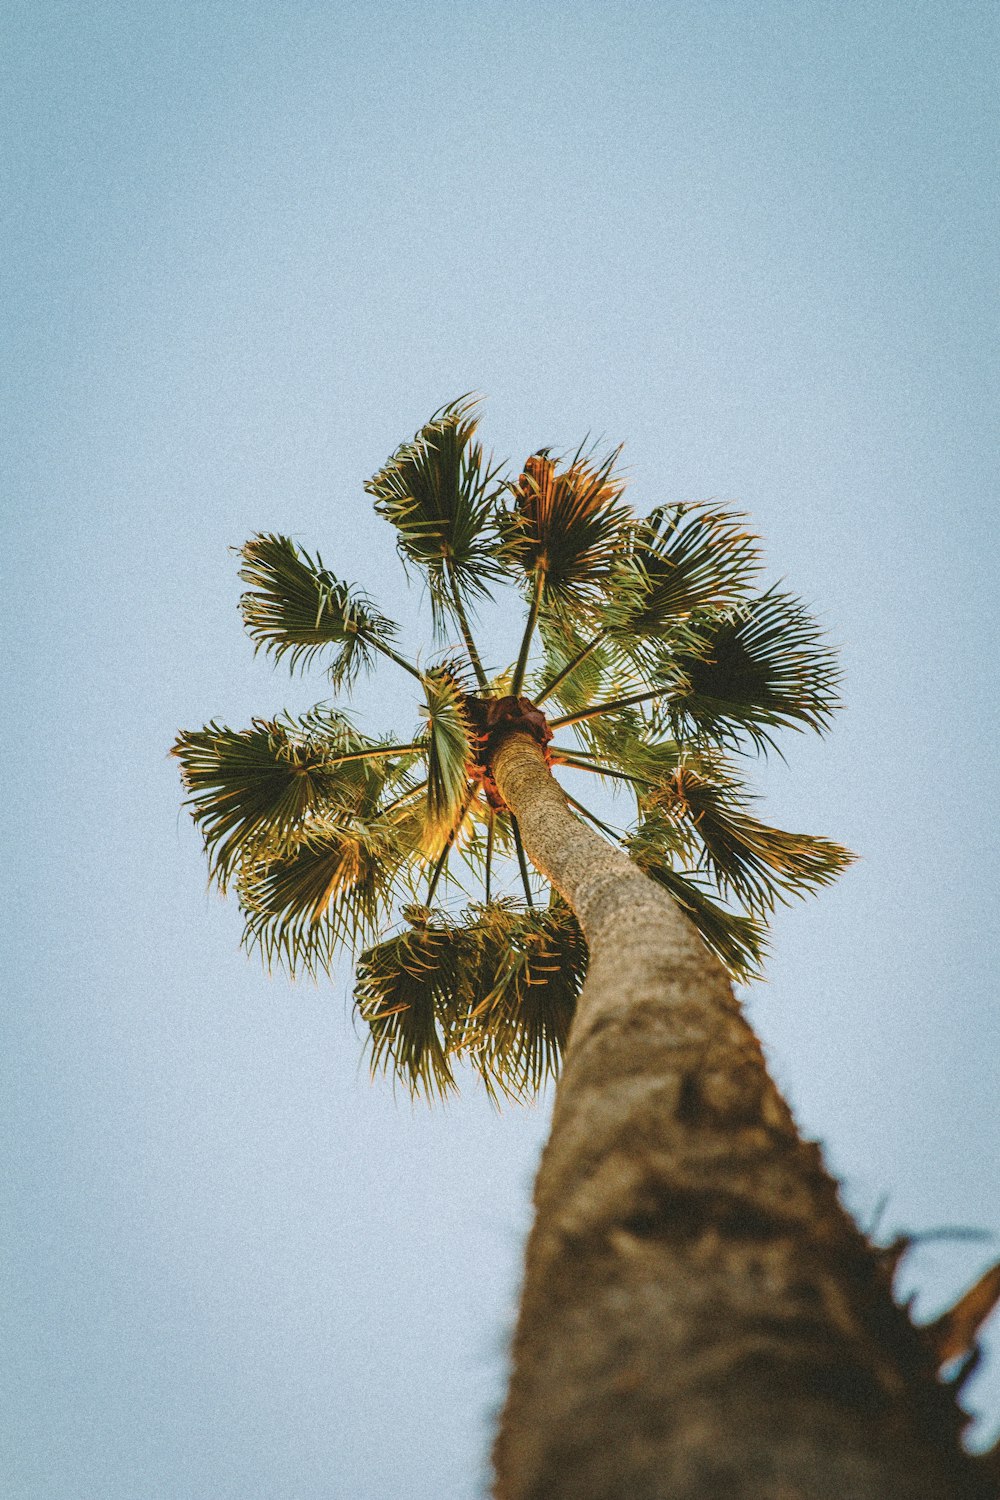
(529, 630)
(518, 845)
(606, 708)
(466, 629)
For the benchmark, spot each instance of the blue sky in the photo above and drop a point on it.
(248, 248)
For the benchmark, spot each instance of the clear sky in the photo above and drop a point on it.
(250, 247)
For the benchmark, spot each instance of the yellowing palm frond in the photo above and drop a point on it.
(449, 753)
(565, 527)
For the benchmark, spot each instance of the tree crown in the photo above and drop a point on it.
(666, 665)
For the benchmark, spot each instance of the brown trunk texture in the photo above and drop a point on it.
(700, 1319)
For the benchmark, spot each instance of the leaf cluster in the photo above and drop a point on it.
(745, 672)
(296, 608)
(440, 493)
(496, 989)
(564, 527)
(305, 817)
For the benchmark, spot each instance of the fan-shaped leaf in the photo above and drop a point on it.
(565, 527)
(531, 968)
(296, 608)
(251, 787)
(575, 662)
(335, 889)
(628, 741)
(757, 863)
(449, 753)
(751, 669)
(256, 792)
(440, 494)
(738, 941)
(680, 559)
(412, 991)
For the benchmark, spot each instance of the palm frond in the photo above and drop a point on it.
(255, 791)
(750, 670)
(449, 752)
(565, 527)
(630, 742)
(439, 492)
(577, 663)
(635, 741)
(759, 864)
(412, 991)
(296, 608)
(679, 560)
(530, 969)
(738, 941)
(335, 889)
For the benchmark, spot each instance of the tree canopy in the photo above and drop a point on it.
(651, 658)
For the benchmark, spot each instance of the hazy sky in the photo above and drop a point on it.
(250, 247)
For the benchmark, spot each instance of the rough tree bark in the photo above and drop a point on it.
(700, 1319)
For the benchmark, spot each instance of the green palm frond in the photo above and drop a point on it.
(439, 492)
(335, 889)
(256, 789)
(635, 742)
(758, 864)
(738, 941)
(654, 760)
(449, 751)
(758, 667)
(531, 968)
(564, 528)
(255, 793)
(679, 560)
(629, 741)
(576, 662)
(412, 992)
(296, 608)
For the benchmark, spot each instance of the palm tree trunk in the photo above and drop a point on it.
(700, 1318)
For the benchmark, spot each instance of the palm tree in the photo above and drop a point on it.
(700, 1317)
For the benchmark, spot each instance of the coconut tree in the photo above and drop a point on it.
(699, 1317)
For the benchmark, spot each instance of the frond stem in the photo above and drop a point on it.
(489, 853)
(392, 655)
(604, 827)
(582, 765)
(521, 860)
(560, 677)
(529, 630)
(606, 708)
(377, 752)
(466, 629)
(438, 870)
(573, 750)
